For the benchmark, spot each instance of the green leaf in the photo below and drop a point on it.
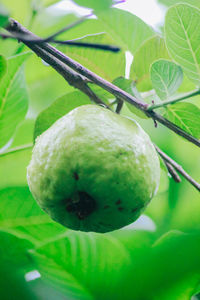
(20, 214)
(186, 116)
(93, 260)
(56, 276)
(45, 85)
(49, 2)
(128, 86)
(13, 97)
(3, 66)
(13, 168)
(104, 95)
(150, 51)
(14, 263)
(19, 12)
(166, 78)
(96, 5)
(13, 251)
(127, 30)
(105, 63)
(59, 19)
(130, 261)
(3, 16)
(86, 28)
(172, 2)
(182, 38)
(86, 256)
(173, 260)
(59, 108)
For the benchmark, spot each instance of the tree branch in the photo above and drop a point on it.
(178, 168)
(172, 172)
(173, 127)
(15, 28)
(73, 78)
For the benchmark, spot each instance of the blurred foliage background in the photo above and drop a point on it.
(159, 261)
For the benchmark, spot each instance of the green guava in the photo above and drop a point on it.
(93, 170)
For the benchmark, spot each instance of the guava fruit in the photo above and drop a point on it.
(93, 170)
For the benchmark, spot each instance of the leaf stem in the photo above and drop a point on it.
(178, 168)
(16, 149)
(174, 100)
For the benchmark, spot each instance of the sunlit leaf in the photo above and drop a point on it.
(13, 168)
(172, 2)
(186, 116)
(150, 51)
(45, 85)
(20, 214)
(90, 261)
(56, 276)
(21, 11)
(182, 38)
(49, 2)
(3, 66)
(13, 97)
(96, 5)
(101, 93)
(127, 30)
(86, 28)
(105, 63)
(59, 20)
(166, 78)
(3, 16)
(93, 260)
(58, 109)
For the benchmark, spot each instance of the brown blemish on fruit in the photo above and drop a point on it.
(118, 202)
(101, 223)
(76, 176)
(120, 208)
(137, 208)
(82, 205)
(106, 206)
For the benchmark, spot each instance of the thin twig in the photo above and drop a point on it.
(172, 172)
(178, 168)
(175, 100)
(68, 27)
(16, 149)
(15, 28)
(74, 43)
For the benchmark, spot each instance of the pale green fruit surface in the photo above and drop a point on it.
(93, 170)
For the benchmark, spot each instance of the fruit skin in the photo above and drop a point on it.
(93, 170)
